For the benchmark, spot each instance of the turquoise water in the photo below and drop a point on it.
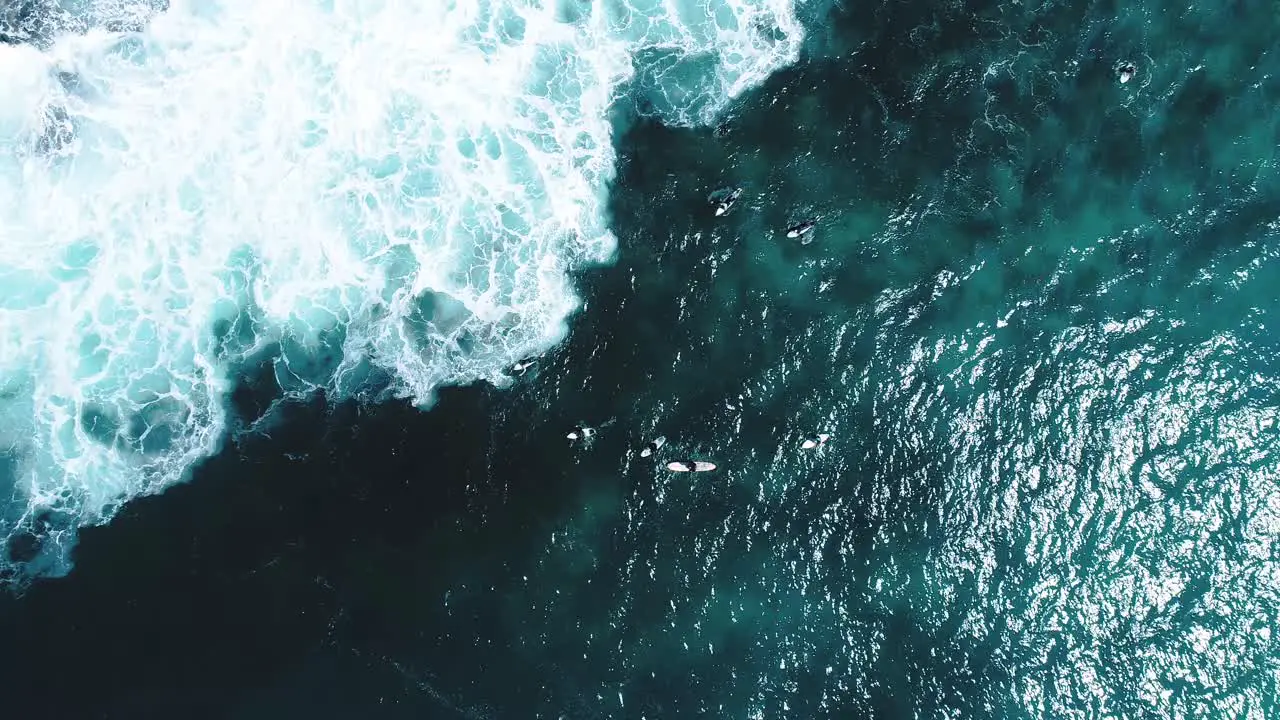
(1034, 318)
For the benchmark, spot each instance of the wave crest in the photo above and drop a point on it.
(383, 189)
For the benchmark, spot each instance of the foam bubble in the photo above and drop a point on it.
(396, 188)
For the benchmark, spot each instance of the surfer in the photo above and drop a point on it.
(523, 366)
(801, 229)
(724, 199)
(653, 446)
(690, 466)
(814, 441)
(580, 432)
(1127, 70)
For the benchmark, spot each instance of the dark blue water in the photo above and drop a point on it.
(1034, 317)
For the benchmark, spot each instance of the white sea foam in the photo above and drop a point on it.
(397, 187)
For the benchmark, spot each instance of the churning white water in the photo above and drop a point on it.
(362, 188)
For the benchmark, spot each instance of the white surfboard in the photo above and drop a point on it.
(801, 229)
(653, 446)
(724, 200)
(581, 433)
(813, 442)
(698, 466)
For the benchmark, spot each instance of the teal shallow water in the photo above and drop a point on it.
(1035, 318)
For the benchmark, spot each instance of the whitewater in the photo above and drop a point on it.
(375, 197)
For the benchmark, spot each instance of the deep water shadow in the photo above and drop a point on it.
(298, 568)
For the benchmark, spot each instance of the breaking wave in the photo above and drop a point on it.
(384, 194)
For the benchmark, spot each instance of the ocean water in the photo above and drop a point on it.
(1033, 318)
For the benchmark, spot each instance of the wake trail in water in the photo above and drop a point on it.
(384, 195)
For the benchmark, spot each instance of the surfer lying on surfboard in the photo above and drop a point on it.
(690, 466)
(653, 446)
